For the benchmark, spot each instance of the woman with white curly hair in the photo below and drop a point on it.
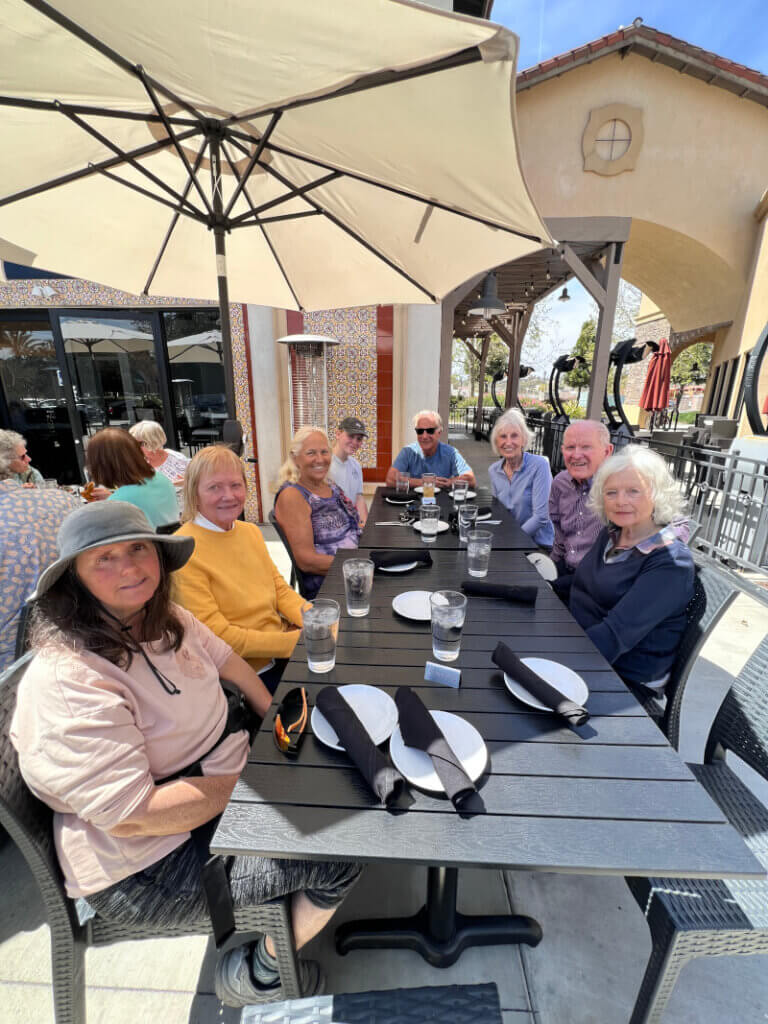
(631, 589)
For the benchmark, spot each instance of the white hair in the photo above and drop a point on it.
(667, 499)
(601, 431)
(510, 418)
(289, 471)
(435, 416)
(150, 434)
(9, 442)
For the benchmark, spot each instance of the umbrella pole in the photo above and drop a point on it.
(221, 272)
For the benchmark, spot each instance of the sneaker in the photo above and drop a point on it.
(235, 985)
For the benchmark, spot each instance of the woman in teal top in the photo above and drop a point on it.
(115, 461)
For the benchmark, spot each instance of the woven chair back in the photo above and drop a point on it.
(741, 724)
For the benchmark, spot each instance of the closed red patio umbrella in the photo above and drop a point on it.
(655, 394)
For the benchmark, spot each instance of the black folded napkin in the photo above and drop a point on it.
(397, 496)
(500, 591)
(453, 517)
(509, 662)
(386, 559)
(385, 780)
(420, 730)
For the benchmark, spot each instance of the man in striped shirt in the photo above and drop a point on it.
(586, 443)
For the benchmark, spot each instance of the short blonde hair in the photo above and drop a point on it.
(665, 490)
(510, 418)
(150, 434)
(207, 460)
(438, 419)
(289, 471)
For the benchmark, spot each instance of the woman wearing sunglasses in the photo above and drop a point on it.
(121, 726)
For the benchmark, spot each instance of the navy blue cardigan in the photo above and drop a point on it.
(633, 610)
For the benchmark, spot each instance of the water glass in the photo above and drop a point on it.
(402, 483)
(358, 583)
(428, 486)
(478, 552)
(460, 488)
(321, 631)
(429, 517)
(467, 520)
(50, 483)
(448, 608)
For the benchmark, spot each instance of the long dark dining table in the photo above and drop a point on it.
(611, 797)
(507, 534)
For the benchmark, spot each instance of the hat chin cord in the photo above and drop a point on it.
(167, 684)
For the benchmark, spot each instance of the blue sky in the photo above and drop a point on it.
(737, 30)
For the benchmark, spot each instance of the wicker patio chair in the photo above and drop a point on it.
(29, 823)
(297, 576)
(690, 918)
(712, 596)
(448, 1004)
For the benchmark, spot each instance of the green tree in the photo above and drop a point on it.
(683, 371)
(585, 346)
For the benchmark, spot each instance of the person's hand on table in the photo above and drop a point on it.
(100, 494)
(446, 482)
(29, 484)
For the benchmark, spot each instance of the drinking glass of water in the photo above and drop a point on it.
(402, 483)
(478, 552)
(448, 607)
(467, 519)
(321, 631)
(429, 517)
(358, 583)
(460, 488)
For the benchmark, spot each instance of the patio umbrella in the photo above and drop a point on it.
(655, 394)
(327, 143)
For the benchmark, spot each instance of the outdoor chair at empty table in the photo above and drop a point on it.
(704, 917)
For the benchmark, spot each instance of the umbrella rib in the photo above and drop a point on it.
(403, 192)
(130, 160)
(172, 135)
(106, 51)
(79, 108)
(256, 211)
(372, 81)
(266, 237)
(172, 225)
(242, 179)
(273, 220)
(353, 234)
(201, 218)
(85, 172)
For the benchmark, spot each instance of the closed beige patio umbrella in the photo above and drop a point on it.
(325, 145)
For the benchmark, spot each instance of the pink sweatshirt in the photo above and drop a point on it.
(92, 739)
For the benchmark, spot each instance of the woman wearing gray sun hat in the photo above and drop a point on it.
(122, 728)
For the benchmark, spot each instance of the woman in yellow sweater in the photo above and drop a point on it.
(230, 583)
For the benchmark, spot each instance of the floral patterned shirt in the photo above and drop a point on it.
(29, 520)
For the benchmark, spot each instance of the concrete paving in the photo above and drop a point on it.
(586, 970)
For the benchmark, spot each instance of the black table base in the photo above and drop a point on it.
(438, 931)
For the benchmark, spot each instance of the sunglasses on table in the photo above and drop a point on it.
(425, 430)
(290, 722)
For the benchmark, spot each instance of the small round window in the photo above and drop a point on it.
(613, 139)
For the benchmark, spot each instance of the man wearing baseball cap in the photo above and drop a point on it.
(345, 470)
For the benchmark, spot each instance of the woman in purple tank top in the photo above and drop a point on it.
(314, 514)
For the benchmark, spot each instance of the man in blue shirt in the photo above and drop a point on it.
(428, 454)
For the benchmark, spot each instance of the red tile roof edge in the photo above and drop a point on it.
(589, 51)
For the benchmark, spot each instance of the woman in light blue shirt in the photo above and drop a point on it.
(115, 461)
(520, 480)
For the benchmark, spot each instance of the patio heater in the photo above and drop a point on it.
(626, 352)
(308, 379)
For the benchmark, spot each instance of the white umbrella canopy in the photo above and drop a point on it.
(105, 338)
(334, 145)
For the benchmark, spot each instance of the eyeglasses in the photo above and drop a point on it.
(426, 430)
(291, 717)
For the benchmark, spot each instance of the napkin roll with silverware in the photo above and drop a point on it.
(384, 779)
(538, 688)
(499, 591)
(386, 559)
(419, 729)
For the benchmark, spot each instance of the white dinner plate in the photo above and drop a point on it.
(470, 494)
(463, 738)
(413, 604)
(420, 490)
(441, 526)
(568, 682)
(405, 567)
(394, 501)
(375, 709)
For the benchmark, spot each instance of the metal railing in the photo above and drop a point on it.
(464, 419)
(726, 493)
